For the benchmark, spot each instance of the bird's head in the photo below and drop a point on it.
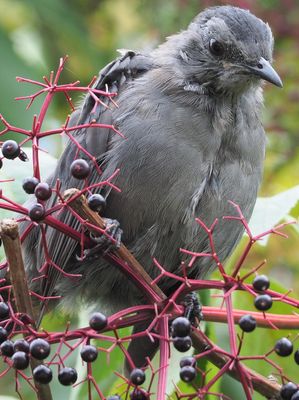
(226, 49)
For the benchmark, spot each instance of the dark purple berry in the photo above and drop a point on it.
(10, 149)
(261, 283)
(295, 396)
(181, 326)
(139, 394)
(283, 347)
(89, 353)
(137, 376)
(1, 163)
(98, 321)
(3, 334)
(20, 360)
(188, 360)
(182, 344)
(37, 212)
(29, 184)
(247, 323)
(7, 348)
(4, 310)
(23, 156)
(42, 374)
(67, 376)
(263, 302)
(287, 390)
(114, 397)
(42, 191)
(80, 168)
(296, 357)
(21, 345)
(187, 373)
(39, 349)
(96, 202)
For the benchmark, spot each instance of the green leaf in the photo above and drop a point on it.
(269, 211)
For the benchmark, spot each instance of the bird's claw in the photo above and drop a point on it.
(112, 240)
(193, 308)
(104, 243)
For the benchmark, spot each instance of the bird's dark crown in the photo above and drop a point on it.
(242, 34)
(225, 49)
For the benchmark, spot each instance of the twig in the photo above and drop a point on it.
(79, 204)
(261, 384)
(9, 233)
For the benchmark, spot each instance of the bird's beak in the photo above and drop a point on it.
(265, 71)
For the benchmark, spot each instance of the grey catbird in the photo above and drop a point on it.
(190, 113)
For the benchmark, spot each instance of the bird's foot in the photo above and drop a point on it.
(193, 308)
(112, 240)
(105, 243)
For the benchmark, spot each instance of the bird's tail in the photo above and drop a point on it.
(140, 348)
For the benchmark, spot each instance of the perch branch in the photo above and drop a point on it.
(78, 203)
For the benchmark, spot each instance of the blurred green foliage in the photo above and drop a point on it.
(35, 33)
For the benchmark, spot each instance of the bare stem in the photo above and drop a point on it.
(9, 233)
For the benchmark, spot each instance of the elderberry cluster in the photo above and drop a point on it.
(180, 331)
(20, 351)
(262, 302)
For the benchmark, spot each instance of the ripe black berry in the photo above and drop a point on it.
(1, 163)
(283, 347)
(3, 334)
(247, 323)
(261, 282)
(23, 156)
(188, 360)
(80, 168)
(21, 345)
(182, 344)
(287, 390)
(96, 202)
(187, 373)
(7, 348)
(37, 212)
(89, 353)
(138, 394)
(137, 376)
(42, 374)
(296, 357)
(29, 184)
(39, 349)
(181, 326)
(295, 396)
(4, 310)
(98, 321)
(67, 376)
(10, 149)
(42, 191)
(263, 302)
(20, 360)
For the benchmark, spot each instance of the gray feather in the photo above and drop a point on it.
(193, 142)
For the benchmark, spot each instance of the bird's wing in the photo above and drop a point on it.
(95, 141)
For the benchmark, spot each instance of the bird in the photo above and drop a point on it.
(190, 113)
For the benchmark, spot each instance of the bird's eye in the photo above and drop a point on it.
(216, 48)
